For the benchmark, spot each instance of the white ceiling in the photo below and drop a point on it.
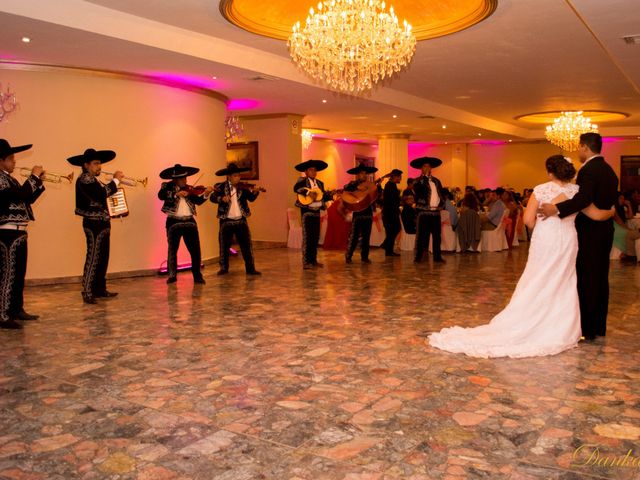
(529, 56)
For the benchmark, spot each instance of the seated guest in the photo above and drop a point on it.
(408, 214)
(491, 220)
(409, 189)
(624, 238)
(468, 229)
(634, 200)
(512, 207)
(448, 206)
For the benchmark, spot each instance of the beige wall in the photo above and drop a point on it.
(340, 156)
(517, 165)
(149, 126)
(279, 149)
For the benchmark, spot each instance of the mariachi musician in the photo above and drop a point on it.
(429, 198)
(362, 219)
(15, 214)
(232, 198)
(391, 212)
(180, 202)
(312, 198)
(91, 205)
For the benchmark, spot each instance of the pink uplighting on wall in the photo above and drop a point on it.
(182, 79)
(242, 104)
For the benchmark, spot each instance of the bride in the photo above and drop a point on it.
(543, 316)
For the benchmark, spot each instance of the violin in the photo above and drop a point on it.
(250, 186)
(196, 190)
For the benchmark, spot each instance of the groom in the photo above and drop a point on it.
(598, 185)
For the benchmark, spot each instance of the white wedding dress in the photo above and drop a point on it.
(543, 316)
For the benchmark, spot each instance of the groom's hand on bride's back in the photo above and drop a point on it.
(547, 210)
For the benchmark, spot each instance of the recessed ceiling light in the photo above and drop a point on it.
(26, 39)
(463, 97)
(214, 77)
(446, 143)
(344, 139)
(510, 141)
(324, 101)
(395, 116)
(444, 126)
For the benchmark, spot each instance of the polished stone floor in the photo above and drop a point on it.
(312, 375)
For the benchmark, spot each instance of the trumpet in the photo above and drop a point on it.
(48, 176)
(130, 181)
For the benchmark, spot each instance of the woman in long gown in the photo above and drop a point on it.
(543, 316)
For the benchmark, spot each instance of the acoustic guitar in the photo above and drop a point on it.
(362, 198)
(308, 199)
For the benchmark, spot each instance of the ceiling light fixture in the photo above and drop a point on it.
(8, 103)
(233, 128)
(567, 128)
(26, 39)
(395, 116)
(350, 45)
(444, 127)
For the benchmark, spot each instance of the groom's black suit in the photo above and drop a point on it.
(598, 185)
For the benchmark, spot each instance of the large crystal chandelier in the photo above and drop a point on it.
(567, 128)
(350, 45)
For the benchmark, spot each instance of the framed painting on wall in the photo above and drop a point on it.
(245, 155)
(366, 161)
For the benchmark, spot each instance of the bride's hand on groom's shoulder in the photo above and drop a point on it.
(547, 210)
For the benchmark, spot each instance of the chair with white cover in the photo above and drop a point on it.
(377, 230)
(407, 240)
(295, 228)
(324, 220)
(615, 253)
(495, 240)
(516, 241)
(449, 237)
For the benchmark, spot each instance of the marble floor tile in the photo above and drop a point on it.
(307, 375)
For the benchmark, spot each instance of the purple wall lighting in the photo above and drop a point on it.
(242, 104)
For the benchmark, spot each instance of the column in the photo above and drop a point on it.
(393, 152)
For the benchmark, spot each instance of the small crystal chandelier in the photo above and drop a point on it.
(307, 136)
(8, 103)
(350, 45)
(567, 128)
(233, 128)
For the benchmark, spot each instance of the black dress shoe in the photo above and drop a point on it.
(222, 271)
(365, 260)
(589, 338)
(10, 325)
(172, 280)
(106, 294)
(89, 299)
(199, 280)
(307, 266)
(254, 272)
(22, 315)
(439, 260)
(348, 260)
(318, 265)
(391, 254)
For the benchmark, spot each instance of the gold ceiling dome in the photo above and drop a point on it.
(434, 19)
(596, 116)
